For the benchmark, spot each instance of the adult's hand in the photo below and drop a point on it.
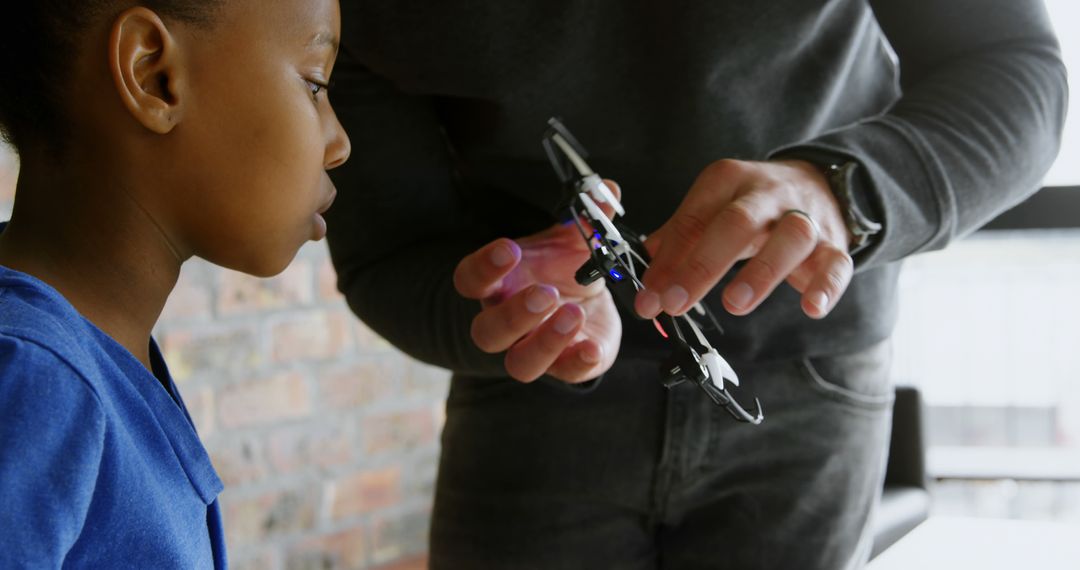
(534, 310)
(780, 215)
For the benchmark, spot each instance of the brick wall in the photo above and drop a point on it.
(9, 168)
(325, 436)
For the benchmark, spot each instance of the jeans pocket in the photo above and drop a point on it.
(858, 379)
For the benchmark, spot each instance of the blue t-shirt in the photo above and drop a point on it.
(100, 466)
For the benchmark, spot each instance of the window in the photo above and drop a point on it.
(989, 331)
(1065, 15)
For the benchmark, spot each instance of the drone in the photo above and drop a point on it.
(618, 256)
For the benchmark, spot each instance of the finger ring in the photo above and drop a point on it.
(803, 214)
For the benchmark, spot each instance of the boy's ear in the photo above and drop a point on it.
(147, 68)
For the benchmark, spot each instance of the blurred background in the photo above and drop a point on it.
(990, 333)
(327, 438)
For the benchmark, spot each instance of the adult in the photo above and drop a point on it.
(817, 143)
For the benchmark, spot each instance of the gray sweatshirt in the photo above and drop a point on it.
(952, 108)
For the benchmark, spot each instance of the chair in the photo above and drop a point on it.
(905, 501)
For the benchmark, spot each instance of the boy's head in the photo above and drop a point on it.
(41, 40)
(211, 115)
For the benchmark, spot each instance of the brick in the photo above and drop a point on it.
(216, 351)
(350, 386)
(200, 405)
(260, 560)
(399, 536)
(313, 250)
(365, 492)
(293, 449)
(439, 411)
(327, 280)
(9, 173)
(418, 562)
(240, 294)
(345, 550)
(237, 462)
(191, 298)
(315, 335)
(284, 396)
(426, 381)
(399, 432)
(367, 339)
(256, 519)
(420, 475)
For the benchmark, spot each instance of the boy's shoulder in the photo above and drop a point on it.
(41, 334)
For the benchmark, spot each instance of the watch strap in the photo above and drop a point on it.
(841, 177)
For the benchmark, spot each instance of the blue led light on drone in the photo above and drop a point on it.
(616, 275)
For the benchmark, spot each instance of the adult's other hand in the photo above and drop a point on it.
(534, 310)
(781, 216)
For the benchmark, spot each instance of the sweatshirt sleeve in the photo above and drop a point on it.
(400, 225)
(977, 126)
(51, 439)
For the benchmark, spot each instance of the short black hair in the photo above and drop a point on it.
(38, 41)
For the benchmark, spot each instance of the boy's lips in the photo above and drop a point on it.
(329, 201)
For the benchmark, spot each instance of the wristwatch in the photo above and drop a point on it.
(856, 215)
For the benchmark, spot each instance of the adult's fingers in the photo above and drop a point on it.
(793, 239)
(578, 363)
(832, 271)
(499, 326)
(533, 356)
(478, 274)
(671, 243)
(729, 236)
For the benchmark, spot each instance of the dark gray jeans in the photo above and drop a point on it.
(633, 476)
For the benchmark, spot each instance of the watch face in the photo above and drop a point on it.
(843, 186)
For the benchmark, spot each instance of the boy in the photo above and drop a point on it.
(148, 132)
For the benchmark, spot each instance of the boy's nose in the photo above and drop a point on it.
(338, 148)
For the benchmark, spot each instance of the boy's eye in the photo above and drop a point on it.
(316, 87)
